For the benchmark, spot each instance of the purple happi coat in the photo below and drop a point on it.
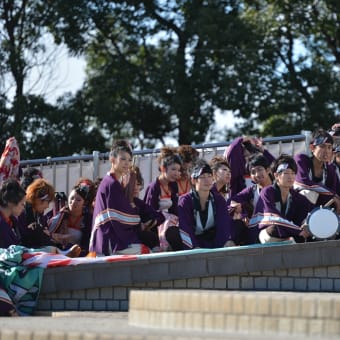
(223, 222)
(268, 212)
(327, 188)
(115, 221)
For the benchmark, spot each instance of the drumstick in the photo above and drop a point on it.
(330, 202)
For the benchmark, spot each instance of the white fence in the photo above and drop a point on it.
(63, 172)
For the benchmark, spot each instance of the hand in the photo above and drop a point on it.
(148, 225)
(335, 126)
(304, 233)
(337, 204)
(258, 142)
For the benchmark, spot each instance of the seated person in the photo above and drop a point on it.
(221, 175)
(245, 201)
(280, 210)
(237, 155)
(204, 221)
(162, 193)
(73, 223)
(150, 218)
(189, 156)
(316, 178)
(33, 221)
(115, 219)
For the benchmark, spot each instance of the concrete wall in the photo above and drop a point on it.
(312, 267)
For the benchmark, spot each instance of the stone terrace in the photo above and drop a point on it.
(309, 267)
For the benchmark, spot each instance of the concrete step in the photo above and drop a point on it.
(284, 313)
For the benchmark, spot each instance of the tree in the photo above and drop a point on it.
(162, 68)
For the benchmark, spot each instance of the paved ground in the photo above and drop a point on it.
(103, 325)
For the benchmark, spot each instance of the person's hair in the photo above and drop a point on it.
(249, 146)
(285, 159)
(39, 189)
(86, 189)
(321, 136)
(217, 161)
(120, 145)
(139, 176)
(11, 192)
(187, 153)
(257, 160)
(168, 155)
(29, 175)
(200, 167)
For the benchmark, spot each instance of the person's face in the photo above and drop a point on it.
(138, 188)
(323, 152)
(223, 175)
(122, 163)
(75, 202)
(286, 178)
(259, 174)
(204, 182)
(173, 172)
(17, 209)
(40, 205)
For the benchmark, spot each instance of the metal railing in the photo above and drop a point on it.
(63, 172)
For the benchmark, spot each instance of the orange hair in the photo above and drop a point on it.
(40, 188)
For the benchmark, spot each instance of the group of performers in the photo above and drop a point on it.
(244, 197)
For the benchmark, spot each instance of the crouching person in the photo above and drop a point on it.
(204, 221)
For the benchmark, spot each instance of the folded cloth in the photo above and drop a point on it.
(22, 284)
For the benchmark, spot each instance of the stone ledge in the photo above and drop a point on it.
(264, 312)
(193, 264)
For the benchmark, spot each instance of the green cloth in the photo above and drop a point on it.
(21, 283)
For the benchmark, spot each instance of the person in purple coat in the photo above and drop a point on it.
(237, 155)
(150, 218)
(316, 178)
(162, 193)
(204, 221)
(115, 219)
(12, 204)
(281, 211)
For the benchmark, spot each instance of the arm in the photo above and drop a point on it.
(235, 157)
(187, 222)
(152, 194)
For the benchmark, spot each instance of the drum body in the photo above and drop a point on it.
(323, 223)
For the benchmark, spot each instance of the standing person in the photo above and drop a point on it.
(189, 156)
(204, 221)
(238, 154)
(281, 211)
(316, 178)
(73, 223)
(115, 219)
(162, 194)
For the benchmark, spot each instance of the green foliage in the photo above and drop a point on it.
(158, 69)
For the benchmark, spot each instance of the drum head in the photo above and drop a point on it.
(323, 223)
